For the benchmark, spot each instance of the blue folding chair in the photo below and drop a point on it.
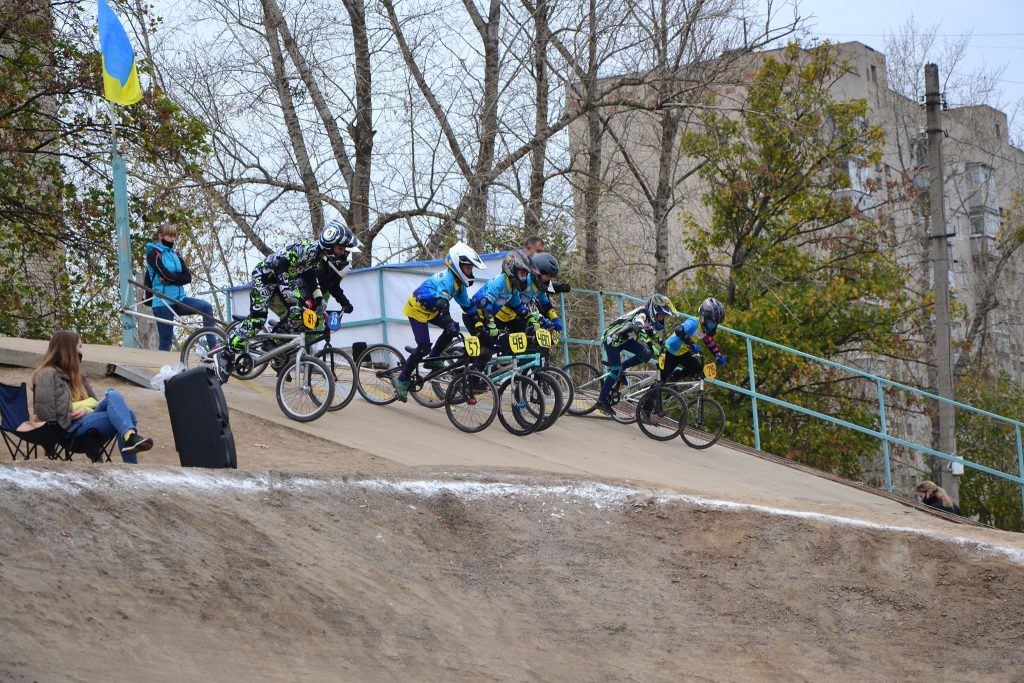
(56, 443)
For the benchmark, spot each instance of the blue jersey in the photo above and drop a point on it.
(432, 297)
(496, 294)
(689, 331)
(533, 294)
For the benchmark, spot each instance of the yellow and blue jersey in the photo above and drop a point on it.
(431, 298)
(535, 293)
(497, 294)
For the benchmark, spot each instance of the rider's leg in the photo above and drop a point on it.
(641, 354)
(614, 357)
(421, 332)
(669, 364)
(691, 366)
(259, 295)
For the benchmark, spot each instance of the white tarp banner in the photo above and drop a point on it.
(376, 319)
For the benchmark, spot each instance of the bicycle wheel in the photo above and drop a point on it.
(374, 369)
(471, 401)
(552, 391)
(520, 405)
(705, 422)
(565, 383)
(432, 394)
(586, 384)
(661, 413)
(196, 351)
(344, 372)
(305, 389)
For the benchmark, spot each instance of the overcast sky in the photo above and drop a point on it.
(997, 27)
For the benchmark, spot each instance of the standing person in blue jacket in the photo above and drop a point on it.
(428, 305)
(681, 349)
(167, 275)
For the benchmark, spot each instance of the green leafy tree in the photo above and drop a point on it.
(991, 443)
(58, 266)
(792, 256)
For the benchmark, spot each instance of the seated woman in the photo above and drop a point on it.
(933, 495)
(62, 394)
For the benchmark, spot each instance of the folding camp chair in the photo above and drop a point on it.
(56, 443)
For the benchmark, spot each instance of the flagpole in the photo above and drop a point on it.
(124, 241)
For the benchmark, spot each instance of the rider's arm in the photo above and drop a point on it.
(155, 260)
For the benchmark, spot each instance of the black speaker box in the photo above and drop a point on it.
(199, 419)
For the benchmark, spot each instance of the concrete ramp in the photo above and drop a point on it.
(133, 365)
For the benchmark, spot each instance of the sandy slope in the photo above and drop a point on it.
(348, 561)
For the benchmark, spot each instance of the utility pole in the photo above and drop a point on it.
(943, 358)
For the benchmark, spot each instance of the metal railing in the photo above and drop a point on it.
(619, 300)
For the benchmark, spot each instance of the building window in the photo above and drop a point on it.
(874, 74)
(984, 221)
(978, 175)
(859, 175)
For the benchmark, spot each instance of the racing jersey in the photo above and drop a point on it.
(627, 327)
(533, 295)
(294, 267)
(688, 330)
(496, 294)
(432, 297)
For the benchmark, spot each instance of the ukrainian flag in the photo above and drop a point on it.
(120, 78)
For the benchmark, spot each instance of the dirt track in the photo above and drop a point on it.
(351, 563)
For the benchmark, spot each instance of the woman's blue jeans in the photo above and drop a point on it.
(111, 417)
(166, 330)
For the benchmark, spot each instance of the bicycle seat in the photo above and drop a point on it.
(237, 318)
(410, 349)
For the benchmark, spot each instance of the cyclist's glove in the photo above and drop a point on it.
(720, 359)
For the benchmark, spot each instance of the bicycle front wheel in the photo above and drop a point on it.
(471, 401)
(661, 413)
(586, 383)
(305, 389)
(520, 405)
(375, 368)
(705, 422)
(344, 372)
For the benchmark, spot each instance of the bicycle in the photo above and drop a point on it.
(526, 387)
(705, 416)
(470, 397)
(196, 349)
(305, 385)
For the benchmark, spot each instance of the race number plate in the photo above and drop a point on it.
(710, 371)
(517, 342)
(472, 346)
(543, 338)
(309, 319)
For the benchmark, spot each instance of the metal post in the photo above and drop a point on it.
(383, 308)
(1020, 462)
(885, 442)
(753, 395)
(124, 242)
(940, 280)
(600, 324)
(565, 323)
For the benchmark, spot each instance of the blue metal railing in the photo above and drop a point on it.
(881, 384)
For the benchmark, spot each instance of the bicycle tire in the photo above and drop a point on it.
(432, 394)
(514, 396)
(196, 351)
(471, 401)
(315, 388)
(374, 369)
(661, 413)
(343, 370)
(586, 384)
(705, 422)
(565, 383)
(552, 390)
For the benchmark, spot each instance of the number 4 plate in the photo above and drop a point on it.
(543, 338)
(710, 371)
